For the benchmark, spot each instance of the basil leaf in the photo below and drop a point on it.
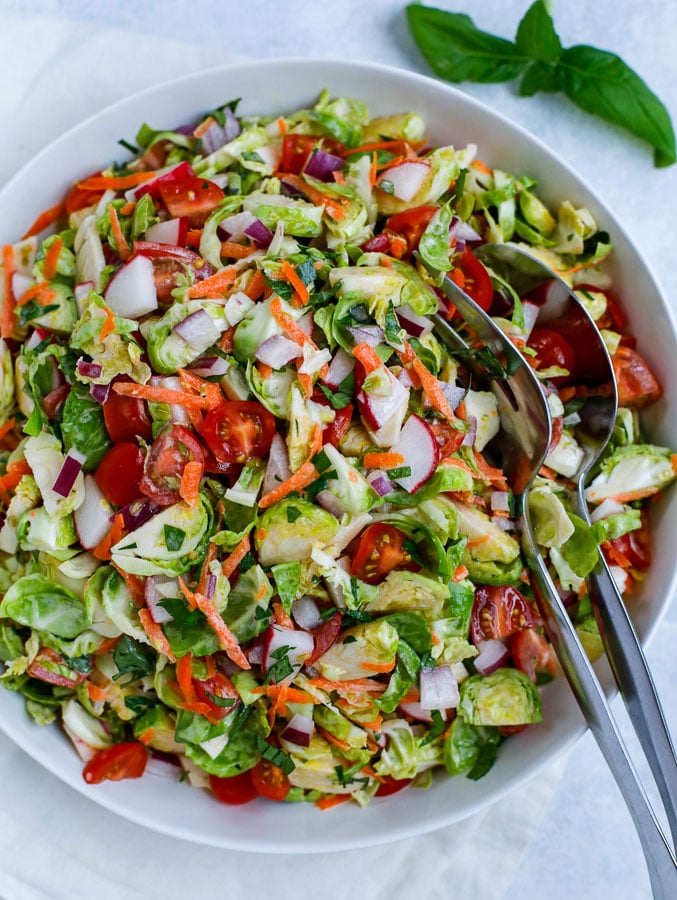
(601, 83)
(174, 537)
(132, 659)
(539, 76)
(457, 50)
(536, 36)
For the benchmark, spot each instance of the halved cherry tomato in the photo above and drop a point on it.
(498, 612)
(333, 432)
(52, 668)
(270, 781)
(165, 462)
(381, 550)
(475, 279)
(324, 636)
(380, 243)
(552, 349)
(391, 785)
(532, 653)
(636, 384)
(53, 401)
(557, 430)
(218, 687)
(127, 760)
(234, 791)
(448, 439)
(126, 418)
(192, 197)
(119, 473)
(635, 546)
(411, 223)
(237, 430)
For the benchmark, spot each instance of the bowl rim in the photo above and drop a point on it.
(442, 818)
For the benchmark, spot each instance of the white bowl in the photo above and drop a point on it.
(281, 86)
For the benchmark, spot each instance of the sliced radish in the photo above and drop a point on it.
(306, 613)
(38, 336)
(209, 366)
(173, 231)
(420, 450)
(493, 654)
(406, 180)
(278, 469)
(412, 322)
(92, 517)
(367, 334)
(416, 711)
(157, 589)
(378, 409)
(131, 291)
(530, 311)
(286, 643)
(608, 507)
(439, 688)
(299, 730)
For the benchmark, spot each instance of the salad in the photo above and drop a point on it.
(251, 520)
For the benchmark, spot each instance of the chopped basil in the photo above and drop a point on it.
(174, 537)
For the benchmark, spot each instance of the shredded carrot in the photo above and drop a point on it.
(124, 251)
(205, 571)
(226, 341)
(460, 572)
(128, 208)
(489, 473)
(108, 326)
(673, 461)
(264, 370)
(332, 739)
(567, 393)
(52, 259)
(189, 489)
(373, 169)
(481, 167)
(115, 183)
(233, 250)
(6, 428)
(156, 635)
(204, 126)
(285, 321)
(106, 645)
(433, 390)
(160, 395)
(339, 177)
(215, 284)
(354, 685)
(382, 460)
(146, 736)
(458, 278)
(187, 593)
(281, 617)
(8, 299)
(15, 472)
(95, 692)
(193, 237)
(184, 676)
(303, 476)
(212, 392)
(330, 802)
(367, 356)
(255, 285)
(233, 561)
(306, 382)
(224, 634)
(633, 495)
(332, 206)
(294, 695)
(292, 277)
(396, 146)
(398, 246)
(45, 219)
(135, 586)
(620, 558)
(374, 724)
(545, 472)
(378, 667)
(102, 549)
(282, 126)
(476, 542)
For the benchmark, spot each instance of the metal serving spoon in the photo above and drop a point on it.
(563, 312)
(525, 418)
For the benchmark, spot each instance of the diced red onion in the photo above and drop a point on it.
(569, 599)
(459, 246)
(57, 375)
(255, 655)
(504, 523)
(500, 501)
(438, 687)
(156, 589)
(608, 507)
(233, 227)
(99, 392)
(211, 586)
(209, 366)
(213, 138)
(331, 503)
(367, 334)
(198, 330)
(322, 165)
(36, 338)
(530, 311)
(404, 379)
(278, 469)
(462, 230)
(136, 514)
(306, 323)
(306, 613)
(231, 124)
(406, 179)
(493, 654)
(88, 369)
(71, 468)
(299, 644)
(380, 243)
(378, 479)
(339, 368)
(278, 351)
(92, 517)
(299, 730)
(260, 234)
(412, 322)
(471, 433)
(289, 189)
(454, 393)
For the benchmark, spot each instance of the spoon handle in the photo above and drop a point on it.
(595, 708)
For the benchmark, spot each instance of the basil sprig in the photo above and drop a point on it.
(597, 81)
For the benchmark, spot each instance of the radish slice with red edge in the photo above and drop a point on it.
(157, 589)
(286, 643)
(92, 517)
(278, 469)
(306, 613)
(404, 181)
(493, 655)
(419, 448)
(412, 322)
(131, 291)
(339, 368)
(172, 231)
(71, 468)
(439, 688)
(416, 711)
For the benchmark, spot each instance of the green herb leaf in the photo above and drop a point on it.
(174, 537)
(536, 36)
(457, 50)
(293, 513)
(133, 659)
(436, 729)
(274, 755)
(139, 704)
(341, 398)
(601, 83)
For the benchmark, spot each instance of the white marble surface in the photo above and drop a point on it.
(586, 847)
